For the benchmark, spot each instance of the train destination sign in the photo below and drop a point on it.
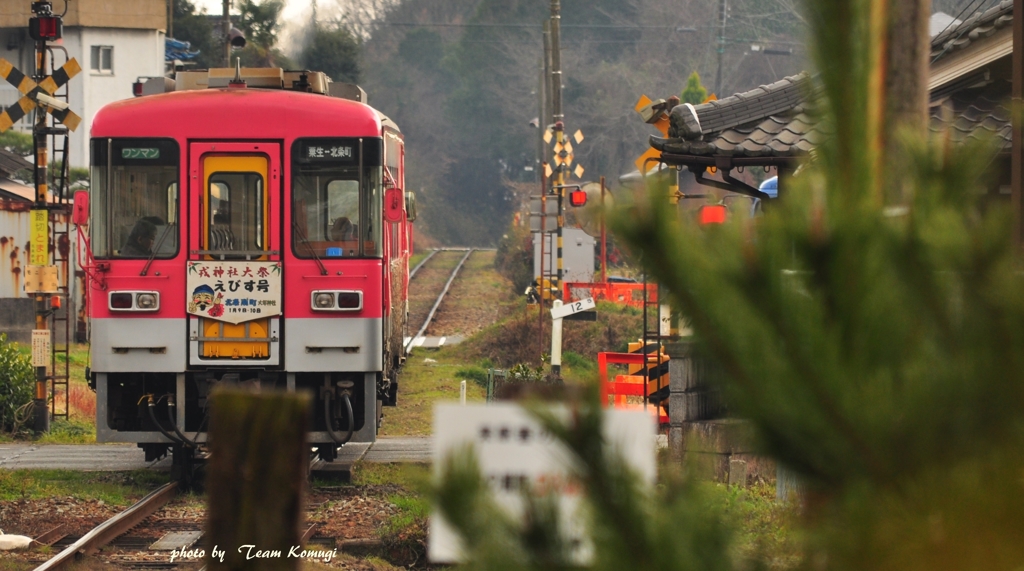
(234, 292)
(329, 152)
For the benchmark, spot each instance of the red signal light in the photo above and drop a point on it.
(45, 28)
(578, 198)
(711, 214)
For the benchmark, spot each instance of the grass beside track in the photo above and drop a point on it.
(428, 377)
(114, 488)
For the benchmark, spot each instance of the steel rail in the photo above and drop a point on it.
(440, 298)
(111, 529)
(420, 265)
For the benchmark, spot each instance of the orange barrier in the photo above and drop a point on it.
(624, 385)
(625, 293)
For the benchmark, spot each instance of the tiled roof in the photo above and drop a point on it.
(769, 121)
(772, 122)
(11, 163)
(977, 26)
(716, 116)
(976, 113)
(788, 134)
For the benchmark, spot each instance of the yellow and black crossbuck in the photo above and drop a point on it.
(39, 94)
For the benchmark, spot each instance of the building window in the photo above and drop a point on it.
(103, 59)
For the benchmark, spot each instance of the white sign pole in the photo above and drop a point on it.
(462, 393)
(556, 338)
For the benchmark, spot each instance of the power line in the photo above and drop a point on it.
(949, 44)
(538, 27)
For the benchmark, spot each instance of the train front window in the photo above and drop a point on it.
(134, 198)
(336, 204)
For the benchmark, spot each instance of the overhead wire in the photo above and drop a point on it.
(949, 43)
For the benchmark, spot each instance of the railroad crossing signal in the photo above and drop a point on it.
(39, 94)
(563, 156)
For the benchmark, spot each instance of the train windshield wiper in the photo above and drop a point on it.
(303, 240)
(156, 248)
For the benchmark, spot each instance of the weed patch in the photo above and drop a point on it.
(114, 488)
(404, 535)
(74, 431)
(476, 374)
(83, 402)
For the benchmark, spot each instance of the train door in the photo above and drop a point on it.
(234, 270)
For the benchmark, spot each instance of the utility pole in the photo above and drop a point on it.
(557, 119)
(41, 420)
(226, 27)
(723, 10)
(1017, 154)
(542, 235)
(170, 18)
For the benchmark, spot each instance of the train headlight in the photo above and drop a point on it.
(147, 301)
(323, 301)
(337, 300)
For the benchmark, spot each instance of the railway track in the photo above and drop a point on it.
(128, 539)
(429, 280)
(113, 528)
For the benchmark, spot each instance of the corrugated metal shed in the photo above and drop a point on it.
(14, 237)
(17, 308)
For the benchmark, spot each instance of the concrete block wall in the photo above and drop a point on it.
(17, 318)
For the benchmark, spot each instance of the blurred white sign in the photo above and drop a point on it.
(514, 450)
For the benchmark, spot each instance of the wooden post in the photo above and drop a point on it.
(255, 479)
(1017, 154)
(905, 64)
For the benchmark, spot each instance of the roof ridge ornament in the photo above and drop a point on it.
(691, 129)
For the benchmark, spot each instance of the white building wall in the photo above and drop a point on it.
(577, 255)
(136, 53)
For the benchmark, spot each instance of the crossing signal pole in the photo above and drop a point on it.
(41, 277)
(42, 12)
(556, 118)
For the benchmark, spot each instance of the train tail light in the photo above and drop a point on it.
(711, 214)
(120, 300)
(351, 300)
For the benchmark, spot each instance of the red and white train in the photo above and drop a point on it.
(252, 232)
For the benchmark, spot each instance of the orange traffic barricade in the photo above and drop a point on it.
(624, 385)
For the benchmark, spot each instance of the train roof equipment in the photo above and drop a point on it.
(262, 93)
